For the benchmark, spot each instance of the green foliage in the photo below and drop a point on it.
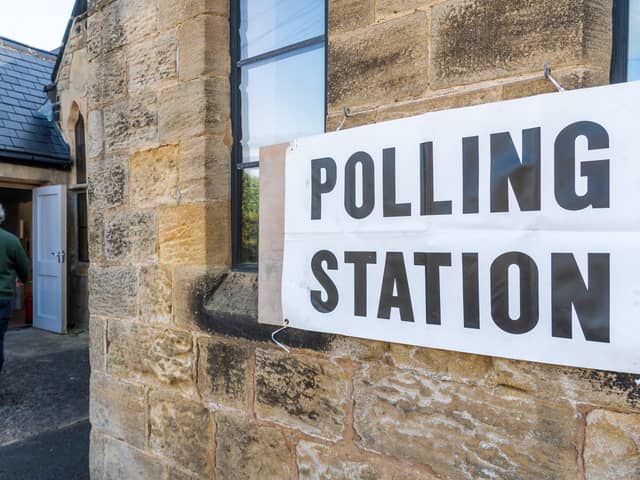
(249, 232)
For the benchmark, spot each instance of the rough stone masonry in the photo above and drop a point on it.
(186, 385)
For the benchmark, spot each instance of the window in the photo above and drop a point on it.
(278, 94)
(81, 198)
(625, 60)
(81, 160)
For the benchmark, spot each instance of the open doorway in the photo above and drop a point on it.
(19, 214)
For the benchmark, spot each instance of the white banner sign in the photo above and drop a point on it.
(509, 229)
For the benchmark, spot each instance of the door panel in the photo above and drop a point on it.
(49, 258)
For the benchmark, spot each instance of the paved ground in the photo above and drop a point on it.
(44, 407)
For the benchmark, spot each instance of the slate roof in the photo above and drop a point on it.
(27, 133)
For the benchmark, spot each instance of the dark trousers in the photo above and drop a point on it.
(5, 314)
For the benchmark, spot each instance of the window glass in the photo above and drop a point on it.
(633, 66)
(81, 162)
(249, 219)
(282, 99)
(83, 230)
(267, 25)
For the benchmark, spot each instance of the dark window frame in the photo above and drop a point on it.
(82, 221)
(620, 51)
(235, 77)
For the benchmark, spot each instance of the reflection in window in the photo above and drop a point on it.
(279, 95)
(633, 62)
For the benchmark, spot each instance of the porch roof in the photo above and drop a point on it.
(28, 135)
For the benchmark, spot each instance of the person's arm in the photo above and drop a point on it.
(21, 262)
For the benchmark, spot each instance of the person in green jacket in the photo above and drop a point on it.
(13, 262)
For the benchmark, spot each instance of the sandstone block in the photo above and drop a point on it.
(112, 291)
(96, 455)
(191, 286)
(455, 100)
(117, 408)
(105, 29)
(131, 238)
(154, 294)
(319, 462)
(380, 64)
(97, 343)
(172, 14)
(140, 353)
(140, 18)
(236, 295)
(347, 15)
(152, 63)
(204, 169)
(181, 430)
(194, 108)
(194, 234)
(476, 40)
(131, 124)
(612, 445)
(569, 79)
(204, 47)
(305, 393)
(392, 8)
(222, 372)
(497, 432)
(177, 474)
(122, 461)
(246, 451)
(112, 76)
(107, 184)
(154, 177)
(96, 237)
(615, 390)
(95, 139)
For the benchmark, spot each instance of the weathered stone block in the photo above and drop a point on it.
(105, 30)
(154, 177)
(154, 294)
(172, 14)
(194, 234)
(476, 40)
(177, 474)
(620, 391)
(191, 286)
(140, 19)
(204, 47)
(204, 169)
(96, 236)
(194, 108)
(569, 79)
(107, 185)
(181, 430)
(122, 461)
(96, 455)
(412, 415)
(380, 64)
(246, 451)
(97, 343)
(95, 141)
(152, 63)
(321, 462)
(131, 238)
(112, 291)
(131, 124)
(141, 353)
(117, 408)
(391, 8)
(306, 393)
(612, 445)
(222, 372)
(347, 15)
(455, 100)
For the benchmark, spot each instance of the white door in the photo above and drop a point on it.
(49, 258)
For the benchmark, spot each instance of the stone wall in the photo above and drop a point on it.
(187, 385)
